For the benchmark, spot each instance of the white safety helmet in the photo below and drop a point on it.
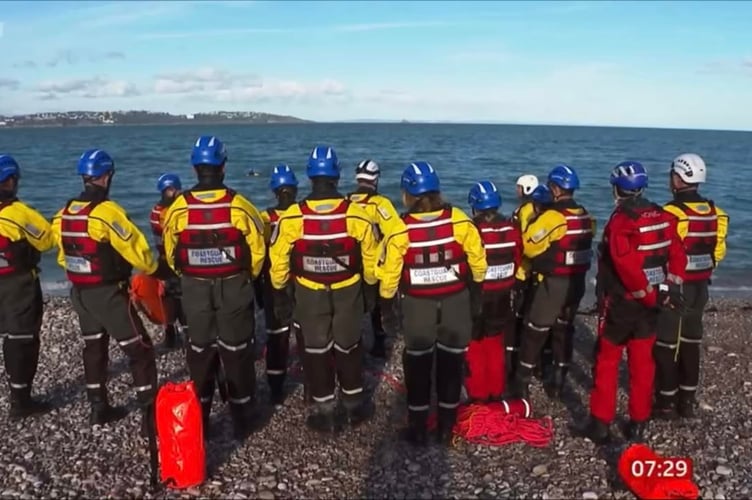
(690, 168)
(367, 170)
(528, 183)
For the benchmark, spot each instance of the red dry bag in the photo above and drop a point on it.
(180, 436)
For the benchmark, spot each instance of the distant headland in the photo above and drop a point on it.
(105, 118)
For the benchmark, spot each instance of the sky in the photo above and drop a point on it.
(672, 64)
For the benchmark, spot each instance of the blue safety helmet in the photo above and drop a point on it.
(282, 175)
(208, 150)
(484, 196)
(419, 178)
(541, 195)
(168, 181)
(95, 163)
(323, 162)
(8, 167)
(629, 176)
(565, 177)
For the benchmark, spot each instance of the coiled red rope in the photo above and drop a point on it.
(491, 425)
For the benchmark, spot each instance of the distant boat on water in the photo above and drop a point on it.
(253, 173)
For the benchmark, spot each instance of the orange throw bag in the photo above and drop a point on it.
(147, 293)
(180, 436)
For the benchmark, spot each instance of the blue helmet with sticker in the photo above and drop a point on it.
(208, 150)
(323, 162)
(420, 178)
(168, 180)
(282, 175)
(565, 177)
(629, 176)
(484, 196)
(541, 195)
(8, 168)
(95, 163)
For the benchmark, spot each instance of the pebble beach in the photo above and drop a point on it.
(59, 454)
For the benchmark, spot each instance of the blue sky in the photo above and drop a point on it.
(672, 64)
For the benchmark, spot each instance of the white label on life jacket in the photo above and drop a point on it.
(77, 265)
(3, 262)
(324, 265)
(699, 262)
(578, 257)
(210, 256)
(434, 275)
(500, 272)
(655, 275)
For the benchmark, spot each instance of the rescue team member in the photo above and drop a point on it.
(702, 227)
(485, 358)
(384, 216)
(98, 247)
(214, 240)
(525, 186)
(168, 186)
(558, 244)
(328, 245)
(435, 258)
(284, 185)
(24, 235)
(639, 268)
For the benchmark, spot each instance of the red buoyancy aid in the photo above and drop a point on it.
(210, 246)
(156, 227)
(16, 257)
(89, 262)
(700, 241)
(435, 264)
(326, 253)
(572, 254)
(501, 240)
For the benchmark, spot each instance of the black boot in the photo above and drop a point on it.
(445, 426)
(520, 387)
(22, 405)
(171, 338)
(359, 413)
(554, 385)
(686, 406)
(596, 431)
(276, 389)
(664, 408)
(206, 418)
(378, 350)
(102, 413)
(635, 431)
(322, 419)
(416, 432)
(242, 420)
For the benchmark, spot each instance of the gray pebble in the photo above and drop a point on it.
(539, 470)
(723, 470)
(281, 486)
(266, 495)
(413, 467)
(590, 495)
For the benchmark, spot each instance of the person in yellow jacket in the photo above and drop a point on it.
(525, 186)
(98, 248)
(702, 227)
(24, 235)
(384, 216)
(214, 240)
(328, 245)
(435, 259)
(559, 245)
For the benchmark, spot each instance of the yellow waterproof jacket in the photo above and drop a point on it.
(380, 210)
(109, 223)
(702, 207)
(396, 243)
(20, 222)
(243, 215)
(523, 214)
(290, 229)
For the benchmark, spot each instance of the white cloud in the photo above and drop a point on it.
(202, 80)
(90, 88)
(9, 83)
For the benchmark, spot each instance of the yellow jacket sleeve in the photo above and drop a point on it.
(467, 235)
(19, 221)
(523, 214)
(267, 224)
(387, 216)
(720, 247)
(389, 269)
(246, 217)
(289, 230)
(359, 227)
(174, 218)
(108, 221)
(549, 227)
(56, 234)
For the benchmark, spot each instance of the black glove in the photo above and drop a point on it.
(163, 271)
(283, 306)
(670, 296)
(258, 291)
(389, 318)
(476, 299)
(518, 297)
(369, 296)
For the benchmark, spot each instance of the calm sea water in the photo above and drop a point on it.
(462, 154)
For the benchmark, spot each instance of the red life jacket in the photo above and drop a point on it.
(89, 262)
(326, 253)
(700, 241)
(435, 264)
(156, 227)
(16, 257)
(572, 254)
(210, 246)
(501, 239)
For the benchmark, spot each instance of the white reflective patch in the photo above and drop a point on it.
(537, 237)
(120, 230)
(324, 265)
(383, 213)
(3, 263)
(500, 272)
(33, 230)
(578, 257)
(77, 265)
(655, 275)
(209, 256)
(434, 275)
(699, 262)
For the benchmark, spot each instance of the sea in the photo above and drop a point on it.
(462, 155)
